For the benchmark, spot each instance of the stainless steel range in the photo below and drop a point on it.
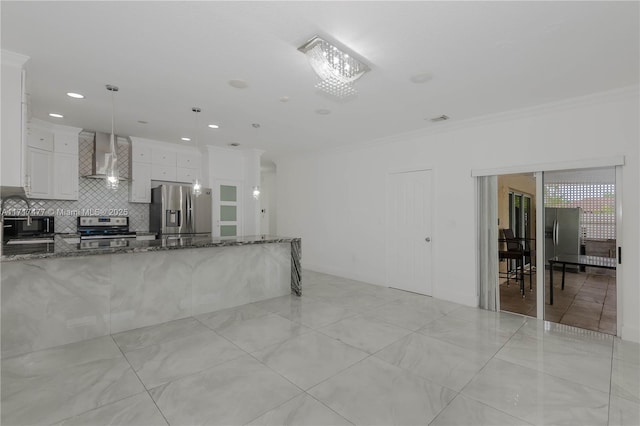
(104, 231)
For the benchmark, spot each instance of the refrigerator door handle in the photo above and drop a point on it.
(555, 232)
(189, 211)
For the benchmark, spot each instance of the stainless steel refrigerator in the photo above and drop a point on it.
(175, 211)
(561, 231)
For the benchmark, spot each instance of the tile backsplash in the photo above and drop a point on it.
(94, 198)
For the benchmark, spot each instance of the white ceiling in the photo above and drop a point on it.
(166, 57)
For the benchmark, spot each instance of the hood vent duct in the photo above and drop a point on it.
(101, 154)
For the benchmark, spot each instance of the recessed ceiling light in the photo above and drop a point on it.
(54, 115)
(421, 78)
(323, 111)
(238, 84)
(214, 126)
(185, 139)
(284, 99)
(75, 95)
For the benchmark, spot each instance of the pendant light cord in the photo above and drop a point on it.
(195, 133)
(114, 153)
(197, 187)
(113, 112)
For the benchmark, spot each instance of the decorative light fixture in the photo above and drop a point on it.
(196, 188)
(113, 178)
(256, 192)
(337, 69)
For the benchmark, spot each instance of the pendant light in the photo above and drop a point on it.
(113, 178)
(196, 188)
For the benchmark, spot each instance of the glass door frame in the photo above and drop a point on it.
(524, 220)
(525, 214)
(537, 169)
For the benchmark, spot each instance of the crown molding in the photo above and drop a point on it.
(13, 58)
(629, 92)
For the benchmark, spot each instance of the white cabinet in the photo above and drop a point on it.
(140, 190)
(65, 176)
(155, 160)
(184, 174)
(188, 166)
(40, 138)
(162, 172)
(163, 157)
(140, 153)
(187, 160)
(65, 142)
(52, 161)
(13, 115)
(40, 167)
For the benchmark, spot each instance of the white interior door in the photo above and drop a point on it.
(227, 209)
(409, 231)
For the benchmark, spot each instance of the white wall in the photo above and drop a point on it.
(268, 198)
(336, 200)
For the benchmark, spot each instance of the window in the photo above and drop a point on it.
(597, 202)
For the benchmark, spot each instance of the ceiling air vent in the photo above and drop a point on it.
(440, 118)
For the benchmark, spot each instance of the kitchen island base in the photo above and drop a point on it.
(48, 302)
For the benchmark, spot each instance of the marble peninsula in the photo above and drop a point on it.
(68, 293)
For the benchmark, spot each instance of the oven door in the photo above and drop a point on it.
(106, 241)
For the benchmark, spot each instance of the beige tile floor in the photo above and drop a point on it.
(587, 301)
(345, 353)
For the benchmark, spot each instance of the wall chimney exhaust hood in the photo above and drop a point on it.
(102, 155)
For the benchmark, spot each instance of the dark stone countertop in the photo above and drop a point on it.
(60, 248)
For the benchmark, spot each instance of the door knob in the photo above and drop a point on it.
(428, 239)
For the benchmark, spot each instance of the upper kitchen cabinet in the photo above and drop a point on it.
(52, 161)
(140, 183)
(189, 160)
(67, 143)
(164, 173)
(161, 161)
(65, 176)
(14, 112)
(40, 138)
(140, 153)
(38, 182)
(163, 157)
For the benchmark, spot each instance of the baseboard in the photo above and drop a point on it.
(631, 334)
(340, 273)
(462, 299)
